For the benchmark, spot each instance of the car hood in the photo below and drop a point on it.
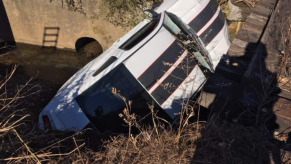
(178, 7)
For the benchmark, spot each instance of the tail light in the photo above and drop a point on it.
(46, 122)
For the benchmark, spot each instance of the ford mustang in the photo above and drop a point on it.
(162, 61)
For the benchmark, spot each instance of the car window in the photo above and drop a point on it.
(188, 38)
(173, 27)
(140, 35)
(102, 107)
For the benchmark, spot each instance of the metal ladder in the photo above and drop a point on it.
(50, 35)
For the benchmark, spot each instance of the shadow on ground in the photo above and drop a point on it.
(248, 132)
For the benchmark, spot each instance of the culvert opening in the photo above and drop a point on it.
(88, 46)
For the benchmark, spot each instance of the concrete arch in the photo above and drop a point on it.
(89, 46)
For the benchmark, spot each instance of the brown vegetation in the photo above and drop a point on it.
(284, 68)
(196, 142)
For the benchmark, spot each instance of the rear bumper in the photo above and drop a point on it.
(70, 118)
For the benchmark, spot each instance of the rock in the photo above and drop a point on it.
(238, 11)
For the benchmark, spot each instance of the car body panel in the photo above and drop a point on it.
(153, 62)
(148, 54)
(73, 119)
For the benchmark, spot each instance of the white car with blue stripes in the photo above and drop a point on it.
(162, 61)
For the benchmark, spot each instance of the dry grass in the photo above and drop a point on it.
(21, 141)
(284, 70)
(197, 142)
(249, 3)
(210, 143)
(191, 142)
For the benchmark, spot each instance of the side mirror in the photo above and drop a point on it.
(151, 13)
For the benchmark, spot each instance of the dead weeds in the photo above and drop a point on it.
(196, 142)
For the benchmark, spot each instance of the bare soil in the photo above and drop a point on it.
(48, 64)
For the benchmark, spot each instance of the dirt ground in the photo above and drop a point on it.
(34, 100)
(48, 64)
(277, 40)
(46, 69)
(278, 46)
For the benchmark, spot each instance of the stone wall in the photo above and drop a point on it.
(28, 20)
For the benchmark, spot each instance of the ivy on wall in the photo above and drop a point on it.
(125, 13)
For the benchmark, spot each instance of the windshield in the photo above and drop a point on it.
(141, 34)
(188, 39)
(102, 107)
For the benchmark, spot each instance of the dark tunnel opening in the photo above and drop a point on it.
(88, 46)
(7, 40)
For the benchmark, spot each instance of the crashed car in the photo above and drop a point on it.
(162, 61)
